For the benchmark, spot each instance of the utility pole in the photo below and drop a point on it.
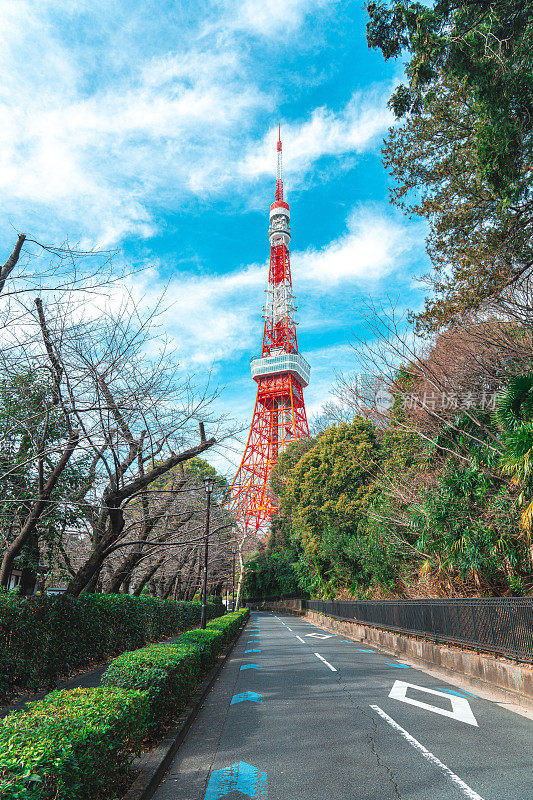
(234, 553)
(209, 483)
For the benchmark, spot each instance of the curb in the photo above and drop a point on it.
(154, 764)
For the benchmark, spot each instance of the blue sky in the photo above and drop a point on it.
(151, 127)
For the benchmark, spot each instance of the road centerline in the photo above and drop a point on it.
(332, 668)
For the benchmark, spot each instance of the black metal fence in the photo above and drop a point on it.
(502, 625)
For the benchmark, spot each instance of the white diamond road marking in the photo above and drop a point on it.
(320, 635)
(460, 706)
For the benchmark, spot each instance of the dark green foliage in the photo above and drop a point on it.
(515, 416)
(366, 512)
(461, 156)
(488, 47)
(72, 745)
(326, 498)
(43, 638)
(467, 526)
(76, 745)
(271, 574)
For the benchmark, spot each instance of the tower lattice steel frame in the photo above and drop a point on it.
(281, 374)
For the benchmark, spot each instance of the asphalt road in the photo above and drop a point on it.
(301, 714)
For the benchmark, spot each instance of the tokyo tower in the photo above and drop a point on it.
(281, 375)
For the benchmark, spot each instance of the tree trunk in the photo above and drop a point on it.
(148, 577)
(11, 261)
(111, 505)
(38, 508)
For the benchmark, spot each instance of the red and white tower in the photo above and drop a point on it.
(281, 374)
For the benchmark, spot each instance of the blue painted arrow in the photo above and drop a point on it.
(253, 697)
(240, 777)
(399, 666)
(360, 650)
(250, 666)
(252, 651)
(254, 641)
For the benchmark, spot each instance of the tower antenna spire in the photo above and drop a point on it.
(279, 170)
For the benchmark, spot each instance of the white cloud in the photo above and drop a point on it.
(367, 252)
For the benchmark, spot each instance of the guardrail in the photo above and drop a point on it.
(500, 625)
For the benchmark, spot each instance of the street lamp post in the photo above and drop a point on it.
(208, 485)
(234, 553)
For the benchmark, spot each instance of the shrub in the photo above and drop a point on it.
(170, 673)
(72, 745)
(43, 638)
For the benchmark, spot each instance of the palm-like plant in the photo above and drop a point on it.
(514, 412)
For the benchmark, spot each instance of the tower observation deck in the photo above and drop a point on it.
(281, 374)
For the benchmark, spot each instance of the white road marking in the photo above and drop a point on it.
(470, 793)
(460, 706)
(325, 662)
(300, 639)
(319, 635)
(289, 629)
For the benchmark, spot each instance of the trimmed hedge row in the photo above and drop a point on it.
(77, 745)
(170, 673)
(71, 745)
(43, 638)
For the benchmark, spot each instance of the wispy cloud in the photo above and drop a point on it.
(355, 128)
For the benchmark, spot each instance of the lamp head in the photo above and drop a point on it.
(209, 483)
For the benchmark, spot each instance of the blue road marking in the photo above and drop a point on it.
(253, 697)
(240, 777)
(462, 693)
(249, 666)
(252, 651)
(399, 666)
(361, 650)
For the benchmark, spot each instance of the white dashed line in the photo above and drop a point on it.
(300, 639)
(467, 791)
(325, 662)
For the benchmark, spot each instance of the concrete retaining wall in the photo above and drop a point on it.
(514, 680)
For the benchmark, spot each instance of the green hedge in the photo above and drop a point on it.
(72, 745)
(76, 745)
(170, 673)
(44, 638)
